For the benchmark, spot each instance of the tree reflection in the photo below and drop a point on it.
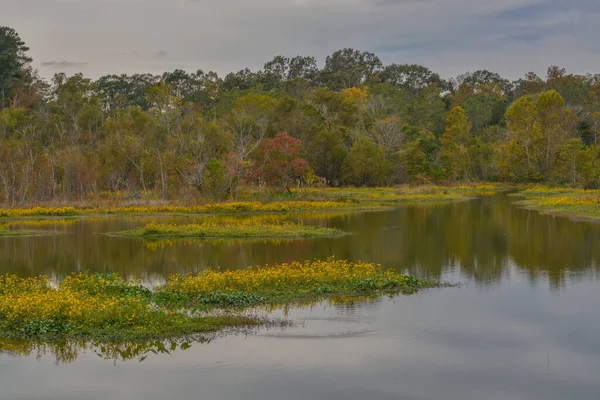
(481, 240)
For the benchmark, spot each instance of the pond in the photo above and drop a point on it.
(523, 324)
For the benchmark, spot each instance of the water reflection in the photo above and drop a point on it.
(524, 325)
(473, 241)
(68, 351)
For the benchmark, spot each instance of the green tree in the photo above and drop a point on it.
(428, 111)
(418, 160)
(455, 142)
(556, 124)
(411, 77)
(326, 154)
(365, 165)
(348, 68)
(522, 151)
(15, 71)
(577, 164)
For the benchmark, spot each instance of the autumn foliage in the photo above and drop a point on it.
(278, 162)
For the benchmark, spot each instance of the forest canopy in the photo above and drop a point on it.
(355, 121)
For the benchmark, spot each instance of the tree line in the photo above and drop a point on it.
(355, 121)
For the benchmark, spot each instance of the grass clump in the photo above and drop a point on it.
(107, 307)
(237, 229)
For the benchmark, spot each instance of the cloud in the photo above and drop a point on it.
(452, 37)
(63, 64)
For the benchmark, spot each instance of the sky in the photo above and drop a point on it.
(451, 37)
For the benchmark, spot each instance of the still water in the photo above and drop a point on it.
(524, 323)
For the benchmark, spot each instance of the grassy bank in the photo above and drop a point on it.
(572, 203)
(403, 194)
(238, 229)
(244, 207)
(106, 307)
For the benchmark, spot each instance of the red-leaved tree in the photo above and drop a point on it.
(278, 162)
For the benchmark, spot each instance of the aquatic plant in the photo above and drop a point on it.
(232, 229)
(95, 306)
(286, 282)
(107, 307)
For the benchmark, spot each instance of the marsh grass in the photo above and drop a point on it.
(233, 229)
(572, 203)
(402, 194)
(246, 207)
(106, 307)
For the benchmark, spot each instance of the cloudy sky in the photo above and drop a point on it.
(511, 37)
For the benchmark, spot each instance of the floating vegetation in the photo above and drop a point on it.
(284, 283)
(237, 229)
(107, 307)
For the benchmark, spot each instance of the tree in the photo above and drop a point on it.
(427, 111)
(577, 164)
(215, 181)
(275, 72)
(365, 165)
(15, 71)
(412, 78)
(241, 80)
(117, 92)
(596, 127)
(523, 148)
(556, 124)
(326, 153)
(484, 77)
(388, 135)
(279, 163)
(455, 145)
(248, 123)
(74, 106)
(418, 160)
(348, 68)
